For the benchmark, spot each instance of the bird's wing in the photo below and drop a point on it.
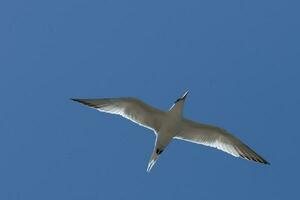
(218, 138)
(130, 108)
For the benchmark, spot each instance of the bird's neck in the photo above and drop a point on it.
(176, 110)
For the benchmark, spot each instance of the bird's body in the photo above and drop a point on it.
(168, 125)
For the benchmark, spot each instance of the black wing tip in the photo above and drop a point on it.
(82, 101)
(77, 100)
(258, 159)
(264, 162)
(267, 163)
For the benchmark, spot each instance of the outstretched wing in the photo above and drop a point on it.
(218, 138)
(130, 108)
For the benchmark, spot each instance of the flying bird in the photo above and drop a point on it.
(169, 125)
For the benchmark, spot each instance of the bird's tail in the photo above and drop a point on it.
(152, 161)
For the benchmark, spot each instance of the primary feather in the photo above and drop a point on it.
(130, 108)
(218, 138)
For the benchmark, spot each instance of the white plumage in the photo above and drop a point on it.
(171, 124)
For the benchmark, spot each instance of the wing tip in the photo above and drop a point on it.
(77, 100)
(266, 162)
(72, 99)
(255, 159)
(85, 102)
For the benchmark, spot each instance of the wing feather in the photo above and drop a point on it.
(130, 108)
(218, 138)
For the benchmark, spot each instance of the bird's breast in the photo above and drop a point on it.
(170, 126)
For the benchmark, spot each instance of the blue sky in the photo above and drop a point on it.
(239, 59)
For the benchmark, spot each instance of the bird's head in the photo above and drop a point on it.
(179, 103)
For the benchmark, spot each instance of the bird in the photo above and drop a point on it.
(171, 124)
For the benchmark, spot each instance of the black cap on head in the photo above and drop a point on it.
(183, 97)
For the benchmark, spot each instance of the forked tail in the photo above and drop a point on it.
(152, 161)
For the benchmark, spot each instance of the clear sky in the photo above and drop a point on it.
(239, 59)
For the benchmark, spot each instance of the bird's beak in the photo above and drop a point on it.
(184, 95)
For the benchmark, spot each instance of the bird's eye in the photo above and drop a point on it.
(177, 100)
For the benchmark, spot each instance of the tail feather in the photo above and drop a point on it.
(152, 161)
